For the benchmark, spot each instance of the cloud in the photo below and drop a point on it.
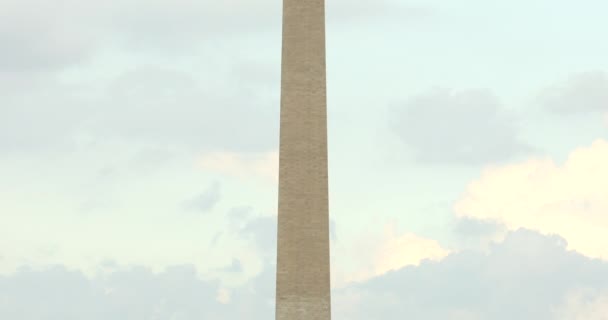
(528, 276)
(376, 254)
(477, 234)
(125, 293)
(239, 214)
(262, 232)
(42, 35)
(235, 267)
(584, 304)
(171, 25)
(152, 107)
(243, 165)
(169, 107)
(48, 105)
(163, 24)
(370, 255)
(333, 233)
(477, 228)
(582, 92)
(42, 119)
(448, 127)
(206, 201)
(399, 250)
(570, 199)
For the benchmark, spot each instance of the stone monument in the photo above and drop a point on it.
(303, 266)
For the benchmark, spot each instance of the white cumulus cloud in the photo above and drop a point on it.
(570, 199)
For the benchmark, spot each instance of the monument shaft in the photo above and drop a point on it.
(303, 266)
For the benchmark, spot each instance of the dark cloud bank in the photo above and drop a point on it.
(528, 276)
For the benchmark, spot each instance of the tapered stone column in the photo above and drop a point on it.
(303, 272)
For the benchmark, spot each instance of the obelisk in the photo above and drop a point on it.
(303, 272)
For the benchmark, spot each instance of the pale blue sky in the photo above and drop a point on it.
(145, 134)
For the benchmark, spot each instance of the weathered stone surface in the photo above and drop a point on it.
(303, 272)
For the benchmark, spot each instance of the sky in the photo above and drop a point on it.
(467, 149)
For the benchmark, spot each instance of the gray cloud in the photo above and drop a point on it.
(170, 26)
(333, 234)
(42, 35)
(235, 267)
(527, 276)
(475, 227)
(215, 240)
(581, 93)
(134, 293)
(240, 213)
(149, 159)
(205, 201)
(262, 231)
(255, 300)
(170, 108)
(42, 119)
(469, 127)
(157, 108)
(38, 34)
(475, 233)
(167, 24)
(239, 216)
